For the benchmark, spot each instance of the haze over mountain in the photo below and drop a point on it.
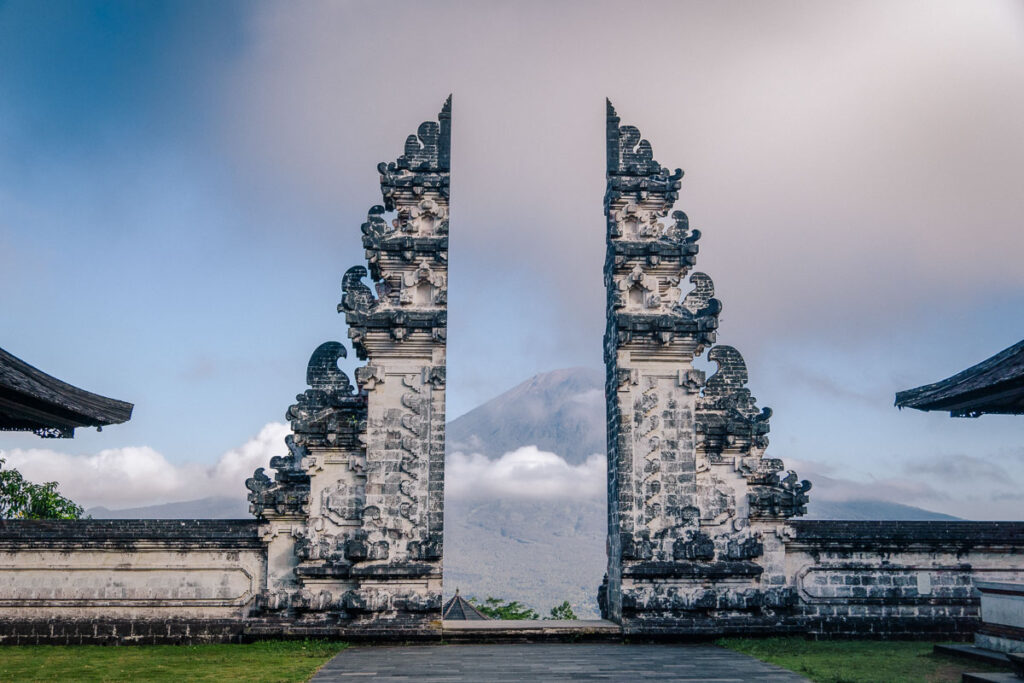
(507, 537)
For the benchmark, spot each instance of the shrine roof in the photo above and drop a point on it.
(31, 400)
(460, 609)
(995, 385)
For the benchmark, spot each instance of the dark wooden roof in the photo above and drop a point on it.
(995, 385)
(32, 401)
(460, 609)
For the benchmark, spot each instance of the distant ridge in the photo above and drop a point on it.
(872, 510)
(214, 507)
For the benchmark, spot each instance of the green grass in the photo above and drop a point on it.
(857, 661)
(265, 662)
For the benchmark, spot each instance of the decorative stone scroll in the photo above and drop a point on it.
(353, 519)
(696, 511)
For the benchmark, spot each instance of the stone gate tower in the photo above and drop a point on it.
(354, 517)
(695, 513)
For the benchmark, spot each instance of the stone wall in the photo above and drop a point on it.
(128, 581)
(898, 579)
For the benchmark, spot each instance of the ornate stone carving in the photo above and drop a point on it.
(369, 464)
(727, 417)
(423, 287)
(778, 495)
(329, 413)
(360, 491)
(686, 473)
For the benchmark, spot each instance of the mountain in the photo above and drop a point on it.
(562, 412)
(215, 507)
(871, 510)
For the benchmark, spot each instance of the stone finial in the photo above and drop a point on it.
(698, 301)
(322, 371)
(430, 148)
(329, 413)
(356, 296)
(631, 166)
(426, 162)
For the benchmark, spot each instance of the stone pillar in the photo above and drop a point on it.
(401, 333)
(685, 475)
(359, 543)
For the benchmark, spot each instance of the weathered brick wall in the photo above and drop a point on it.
(694, 507)
(128, 581)
(898, 579)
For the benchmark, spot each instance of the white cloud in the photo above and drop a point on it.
(526, 472)
(589, 398)
(139, 475)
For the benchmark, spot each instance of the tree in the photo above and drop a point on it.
(21, 499)
(496, 609)
(563, 611)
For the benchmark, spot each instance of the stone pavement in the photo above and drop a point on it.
(549, 662)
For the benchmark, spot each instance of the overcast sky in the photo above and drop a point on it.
(182, 184)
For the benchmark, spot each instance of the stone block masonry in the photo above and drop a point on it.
(898, 579)
(354, 520)
(696, 514)
(347, 536)
(128, 581)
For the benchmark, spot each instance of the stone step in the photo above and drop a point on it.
(975, 653)
(990, 678)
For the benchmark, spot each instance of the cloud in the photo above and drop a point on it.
(590, 398)
(526, 472)
(963, 486)
(830, 484)
(139, 475)
(960, 468)
(859, 137)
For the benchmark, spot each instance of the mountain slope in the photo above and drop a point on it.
(561, 412)
(871, 510)
(215, 507)
(537, 552)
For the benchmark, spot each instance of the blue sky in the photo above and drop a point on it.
(181, 188)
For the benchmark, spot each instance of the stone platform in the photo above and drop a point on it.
(530, 630)
(550, 662)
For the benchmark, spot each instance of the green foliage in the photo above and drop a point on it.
(21, 499)
(261, 662)
(495, 608)
(563, 611)
(856, 661)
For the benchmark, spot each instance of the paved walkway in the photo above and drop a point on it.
(550, 662)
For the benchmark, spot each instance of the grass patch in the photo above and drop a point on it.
(857, 661)
(268, 661)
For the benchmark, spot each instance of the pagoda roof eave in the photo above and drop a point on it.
(31, 400)
(995, 385)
